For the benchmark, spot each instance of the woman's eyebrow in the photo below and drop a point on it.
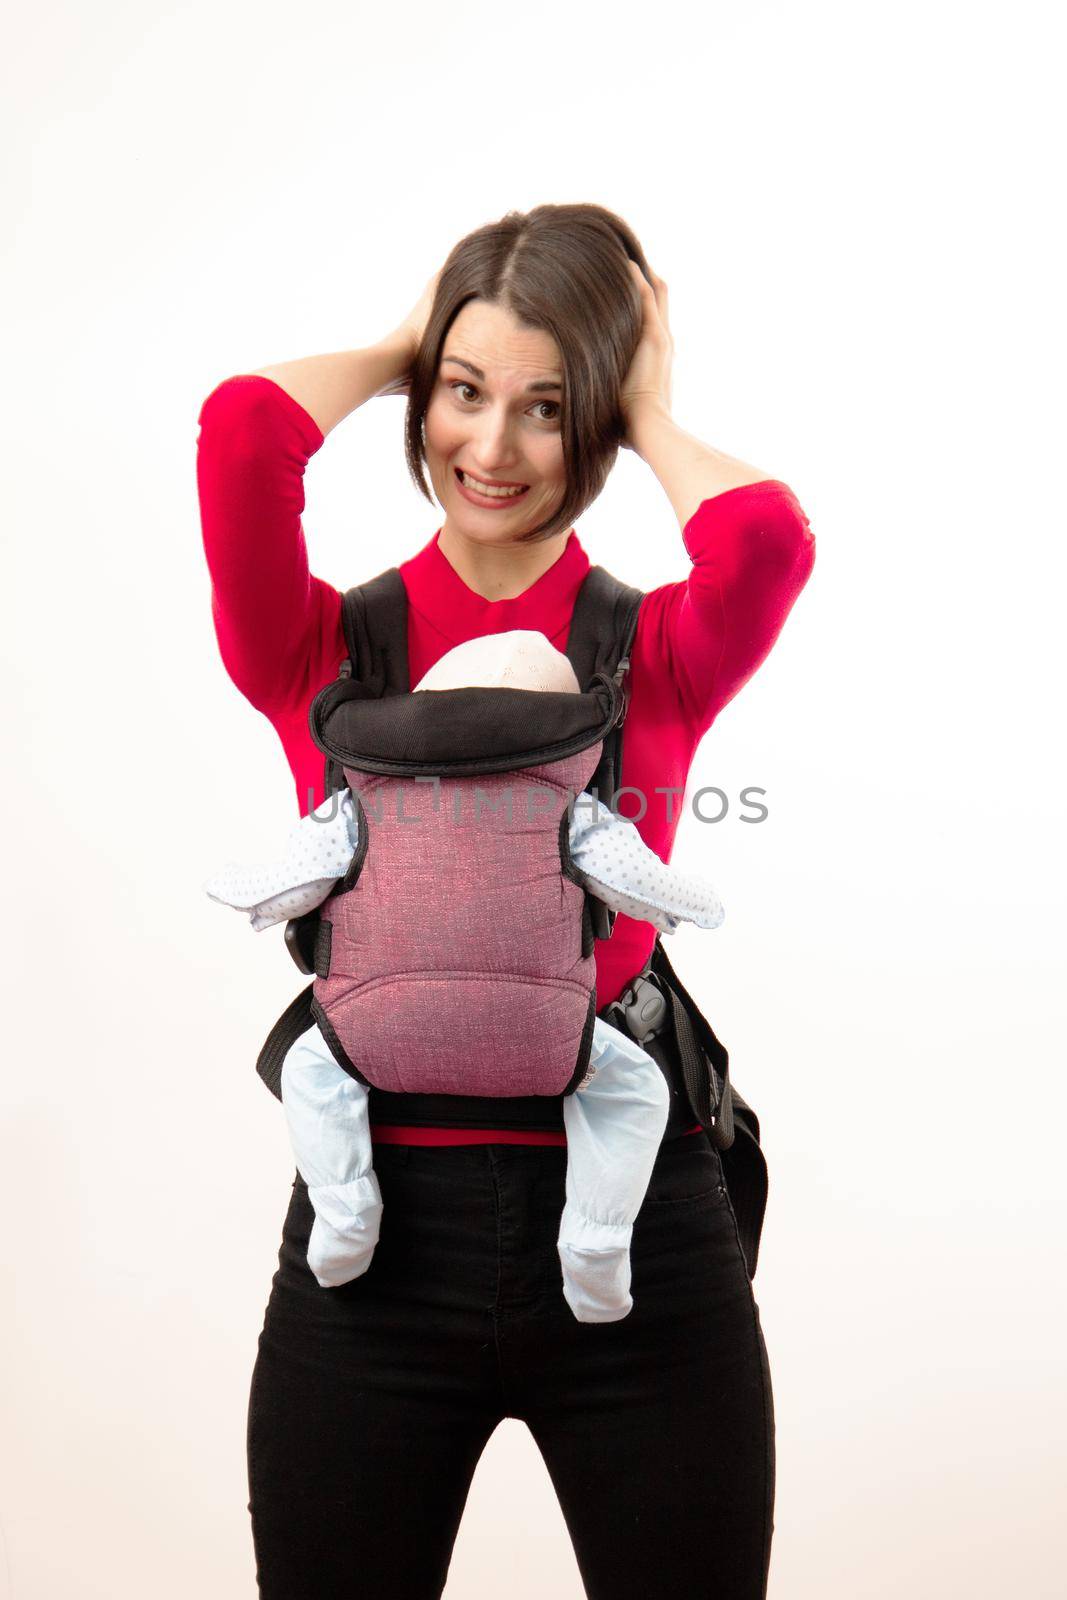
(531, 388)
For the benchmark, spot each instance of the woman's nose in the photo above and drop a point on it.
(493, 442)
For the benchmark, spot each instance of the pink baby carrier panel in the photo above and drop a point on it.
(456, 962)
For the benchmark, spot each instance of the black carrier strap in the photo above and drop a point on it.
(294, 1020)
(731, 1124)
(600, 638)
(374, 616)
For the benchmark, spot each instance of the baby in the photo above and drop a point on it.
(614, 1120)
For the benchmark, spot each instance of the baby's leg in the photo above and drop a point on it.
(329, 1129)
(614, 1127)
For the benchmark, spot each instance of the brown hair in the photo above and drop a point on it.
(563, 269)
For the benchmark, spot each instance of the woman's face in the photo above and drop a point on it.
(494, 415)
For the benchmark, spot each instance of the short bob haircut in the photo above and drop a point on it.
(563, 269)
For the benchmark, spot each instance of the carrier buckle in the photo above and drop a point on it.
(300, 936)
(641, 1010)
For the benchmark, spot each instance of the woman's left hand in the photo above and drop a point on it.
(647, 384)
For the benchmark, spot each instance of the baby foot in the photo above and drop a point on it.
(596, 1283)
(345, 1231)
(595, 1257)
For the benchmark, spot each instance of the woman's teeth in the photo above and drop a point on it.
(488, 489)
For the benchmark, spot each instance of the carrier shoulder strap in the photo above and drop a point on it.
(374, 616)
(730, 1122)
(600, 638)
(375, 620)
(710, 1090)
(603, 624)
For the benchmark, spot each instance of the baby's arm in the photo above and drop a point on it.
(620, 869)
(318, 851)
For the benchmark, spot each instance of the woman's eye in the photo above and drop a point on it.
(457, 384)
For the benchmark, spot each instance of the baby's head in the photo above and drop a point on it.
(520, 659)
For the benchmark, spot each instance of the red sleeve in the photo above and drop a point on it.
(752, 551)
(278, 627)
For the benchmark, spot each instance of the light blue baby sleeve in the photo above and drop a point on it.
(621, 870)
(317, 852)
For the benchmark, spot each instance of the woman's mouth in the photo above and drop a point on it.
(489, 495)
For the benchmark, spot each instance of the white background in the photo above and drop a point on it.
(854, 209)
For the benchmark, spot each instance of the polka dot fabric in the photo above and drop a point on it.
(318, 851)
(621, 870)
(607, 850)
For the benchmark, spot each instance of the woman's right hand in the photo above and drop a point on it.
(409, 334)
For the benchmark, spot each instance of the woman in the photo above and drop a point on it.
(540, 347)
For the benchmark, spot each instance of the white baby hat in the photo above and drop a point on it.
(519, 659)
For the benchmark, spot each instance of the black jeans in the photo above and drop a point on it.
(372, 1403)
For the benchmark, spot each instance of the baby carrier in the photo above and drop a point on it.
(461, 925)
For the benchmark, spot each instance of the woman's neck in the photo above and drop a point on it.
(500, 572)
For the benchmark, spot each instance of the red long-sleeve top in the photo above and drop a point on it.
(279, 629)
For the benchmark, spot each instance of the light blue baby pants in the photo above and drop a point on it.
(614, 1125)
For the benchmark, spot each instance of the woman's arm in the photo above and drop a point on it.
(699, 641)
(331, 387)
(278, 626)
(688, 472)
(750, 543)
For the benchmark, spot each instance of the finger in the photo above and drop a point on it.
(652, 285)
(662, 301)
